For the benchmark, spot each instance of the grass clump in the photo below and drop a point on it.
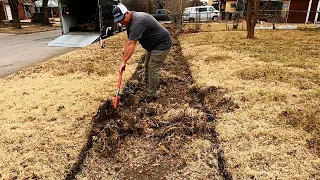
(307, 118)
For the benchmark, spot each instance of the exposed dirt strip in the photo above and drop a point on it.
(172, 138)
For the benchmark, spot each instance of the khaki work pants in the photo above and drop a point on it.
(152, 64)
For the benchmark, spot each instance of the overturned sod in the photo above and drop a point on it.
(173, 137)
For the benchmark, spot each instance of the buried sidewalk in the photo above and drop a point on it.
(172, 138)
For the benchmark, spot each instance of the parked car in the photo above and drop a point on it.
(200, 13)
(161, 15)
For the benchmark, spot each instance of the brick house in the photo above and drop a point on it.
(24, 8)
(304, 11)
(292, 11)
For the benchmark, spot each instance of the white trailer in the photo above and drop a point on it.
(84, 22)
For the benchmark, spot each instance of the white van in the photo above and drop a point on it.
(200, 13)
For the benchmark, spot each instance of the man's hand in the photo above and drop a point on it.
(122, 67)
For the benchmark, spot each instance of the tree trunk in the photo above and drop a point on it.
(252, 17)
(45, 13)
(239, 7)
(15, 14)
(249, 20)
(236, 20)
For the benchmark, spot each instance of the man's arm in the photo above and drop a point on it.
(128, 51)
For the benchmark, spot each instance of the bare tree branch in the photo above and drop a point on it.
(256, 12)
(265, 6)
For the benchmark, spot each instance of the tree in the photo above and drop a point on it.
(239, 7)
(195, 3)
(15, 14)
(45, 13)
(137, 5)
(159, 4)
(176, 8)
(253, 7)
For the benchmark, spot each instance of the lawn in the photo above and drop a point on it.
(46, 110)
(227, 107)
(275, 80)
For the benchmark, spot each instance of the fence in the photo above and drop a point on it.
(272, 16)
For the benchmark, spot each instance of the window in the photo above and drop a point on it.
(211, 9)
(202, 9)
(163, 11)
(233, 5)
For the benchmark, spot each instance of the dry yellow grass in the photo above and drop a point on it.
(28, 29)
(227, 26)
(275, 81)
(46, 110)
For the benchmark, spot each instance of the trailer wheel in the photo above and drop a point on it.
(191, 19)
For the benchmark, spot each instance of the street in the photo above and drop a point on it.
(25, 50)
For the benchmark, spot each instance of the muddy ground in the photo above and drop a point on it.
(172, 138)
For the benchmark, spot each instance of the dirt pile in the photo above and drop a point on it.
(172, 138)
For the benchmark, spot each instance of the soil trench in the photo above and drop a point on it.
(171, 138)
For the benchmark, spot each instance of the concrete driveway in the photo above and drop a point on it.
(25, 50)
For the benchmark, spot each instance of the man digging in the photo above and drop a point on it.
(153, 37)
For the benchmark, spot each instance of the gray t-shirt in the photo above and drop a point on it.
(149, 32)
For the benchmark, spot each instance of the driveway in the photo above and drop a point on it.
(25, 50)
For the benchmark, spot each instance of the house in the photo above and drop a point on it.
(228, 7)
(24, 8)
(53, 7)
(291, 11)
(5, 11)
(304, 11)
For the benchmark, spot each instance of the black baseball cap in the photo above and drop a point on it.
(119, 12)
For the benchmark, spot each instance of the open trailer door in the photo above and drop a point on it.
(84, 22)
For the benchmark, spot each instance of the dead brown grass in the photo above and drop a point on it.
(46, 110)
(275, 81)
(228, 26)
(29, 28)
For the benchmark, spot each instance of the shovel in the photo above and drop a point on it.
(116, 99)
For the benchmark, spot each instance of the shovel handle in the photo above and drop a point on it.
(116, 99)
